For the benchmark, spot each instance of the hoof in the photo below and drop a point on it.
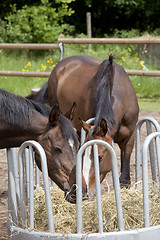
(124, 183)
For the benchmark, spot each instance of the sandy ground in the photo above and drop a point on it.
(4, 178)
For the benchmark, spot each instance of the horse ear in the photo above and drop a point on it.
(54, 115)
(103, 127)
(70, 114)
(85, 125)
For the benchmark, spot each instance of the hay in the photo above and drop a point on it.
(65, 213)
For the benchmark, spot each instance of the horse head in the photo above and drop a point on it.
(105, 164)
(61, 145)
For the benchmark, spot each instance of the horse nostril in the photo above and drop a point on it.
(74, 188)
(100, 158)
(66, 187)
(65, 191)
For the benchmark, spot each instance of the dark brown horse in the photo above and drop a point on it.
(22, 119)
(102, 90)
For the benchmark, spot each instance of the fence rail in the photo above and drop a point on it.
(47, 74)
(140, 40)
(143, 73)
(33, 46)
(24, 74)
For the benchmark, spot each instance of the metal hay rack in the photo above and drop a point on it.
(22, 177)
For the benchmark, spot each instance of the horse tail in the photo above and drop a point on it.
(41, 96)
(103, 94)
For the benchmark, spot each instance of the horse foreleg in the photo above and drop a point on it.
(126, 150)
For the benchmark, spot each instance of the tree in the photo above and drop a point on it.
(108, 15)
(37, 24)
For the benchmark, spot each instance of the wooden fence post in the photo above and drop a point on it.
(89, 28)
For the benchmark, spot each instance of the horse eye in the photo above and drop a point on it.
(57, 150)
(100, 158)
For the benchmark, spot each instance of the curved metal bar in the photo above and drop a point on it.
(98, 188)
(27, 171)
(61, 46)
(37, 175)
(22, 191)
(158, 155)
(13, 183)
(31, 187)
(41, 152)
(13, 189)
(145, 175)
(149, 120)
(115, 183)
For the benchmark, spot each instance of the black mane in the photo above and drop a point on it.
(68, 132)
(16, 110)
(103, 93)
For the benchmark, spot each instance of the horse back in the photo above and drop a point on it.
(72, 81)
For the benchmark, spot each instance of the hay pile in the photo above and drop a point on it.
(65, 213)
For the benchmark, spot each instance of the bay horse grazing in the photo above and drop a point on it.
(22, 119)
(102, 90)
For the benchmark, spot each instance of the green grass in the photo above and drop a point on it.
(20, 85)
(146, 87)
(149, 106)
(26, 61)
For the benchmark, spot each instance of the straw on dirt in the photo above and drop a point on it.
(65, 213)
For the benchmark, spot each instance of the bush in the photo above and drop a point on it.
(2, 30)
(37, 24)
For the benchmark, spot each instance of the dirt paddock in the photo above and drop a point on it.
(4, 177)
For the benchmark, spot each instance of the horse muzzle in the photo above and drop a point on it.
(70, 195)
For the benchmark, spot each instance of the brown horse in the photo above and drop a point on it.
(22, 119)
(102, 90)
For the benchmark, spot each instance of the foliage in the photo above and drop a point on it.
(6, 7)
(2, 30)
(108, 15)
(37, 24)
(125, 33)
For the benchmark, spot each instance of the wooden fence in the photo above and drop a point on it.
(30, 46)
(33, 46)
(140, 40)
(46, 74)
(60, 46)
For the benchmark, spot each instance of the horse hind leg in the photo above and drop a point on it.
(126, 151)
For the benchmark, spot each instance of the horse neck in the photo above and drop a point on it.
(14, 135)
